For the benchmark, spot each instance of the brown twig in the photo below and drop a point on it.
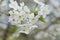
(6, 32)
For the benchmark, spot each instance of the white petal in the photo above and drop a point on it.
(26, 9)
(22, 4)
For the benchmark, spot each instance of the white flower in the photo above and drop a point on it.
(43, 10)
(26, 28)
(14, 5)
(31, 15)
(23, 18)
(11, 0)
(22, 4)
(10, 12)
(14, 17)
(26, 9)
(37, 1)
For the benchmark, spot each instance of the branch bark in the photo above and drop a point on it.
(6, 32)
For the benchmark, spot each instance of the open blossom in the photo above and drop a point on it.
(23, 18)
(13, 5)
(44, 10)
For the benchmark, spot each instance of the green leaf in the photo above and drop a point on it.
(35, 13)
(0, 38)
(12, 30)
(42, 19)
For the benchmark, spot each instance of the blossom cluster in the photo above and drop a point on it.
(23, 18)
